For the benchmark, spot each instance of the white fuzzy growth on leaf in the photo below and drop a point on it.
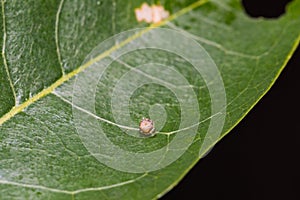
(151, 14)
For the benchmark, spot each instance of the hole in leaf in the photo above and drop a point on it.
(265, 8)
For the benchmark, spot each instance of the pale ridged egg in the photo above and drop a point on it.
(147, 126)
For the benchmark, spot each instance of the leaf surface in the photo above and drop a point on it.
(44, 45)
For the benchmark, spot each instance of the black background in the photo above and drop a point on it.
(259, 158)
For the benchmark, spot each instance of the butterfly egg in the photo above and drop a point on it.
(147, 126)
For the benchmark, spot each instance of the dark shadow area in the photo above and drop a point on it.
(265, 8)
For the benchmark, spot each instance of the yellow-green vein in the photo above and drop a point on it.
(3, 52)
(56, 36)
(17, 109)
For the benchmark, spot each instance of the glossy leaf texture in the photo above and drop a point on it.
(42, 156)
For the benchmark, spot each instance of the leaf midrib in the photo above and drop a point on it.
(19, 108)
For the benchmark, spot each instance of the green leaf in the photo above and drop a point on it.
(45, 46)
